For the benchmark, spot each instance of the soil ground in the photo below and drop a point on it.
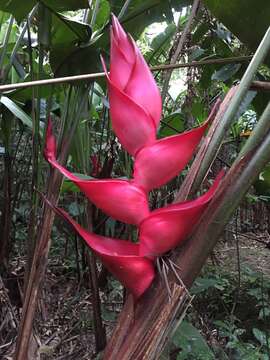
(64, 326)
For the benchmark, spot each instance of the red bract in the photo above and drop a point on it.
(130, 73)
(168, 227)
(118, 198)
(135, 109)
(50, 143)
(158, 163)
(132, 125)
(121, 257)
(135, 112)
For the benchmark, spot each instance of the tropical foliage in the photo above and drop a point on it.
(44, 40)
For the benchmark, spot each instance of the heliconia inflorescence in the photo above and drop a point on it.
(135, 110)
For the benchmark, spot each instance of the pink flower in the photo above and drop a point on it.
(166, 228)
(135, 102)
(120, 199)
(135, 109)
(121, 257)
(161, 161)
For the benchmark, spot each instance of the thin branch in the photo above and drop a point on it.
(221, 61)
(180, 45)
(94, 76)
(260, 85)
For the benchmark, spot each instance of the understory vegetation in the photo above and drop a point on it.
(71, 303)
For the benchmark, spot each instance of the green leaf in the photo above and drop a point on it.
(222, 49)
(74, 209)
(66, 30)
(196, 53)
(67, 5)
(198, 111)
(161, 42)
(17, 8)
(13, 35)
(245, 103)
(66, 60)
(260, 102)
(260, 336)
(193, 345)
(17, 111)
(198, 34)
(103, 15)
(172, 124)
(226, 72)
(262, 185)
(207, 71)
(3, 17)
(265, 312)
(247, 19)
(20, 9)
(67, 37)
(142, 13)
(203, 284)
(108, 315)
(69, 186)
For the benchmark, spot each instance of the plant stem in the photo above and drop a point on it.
(43, 36)
(240, 177)
(187, 188)
(5, 225)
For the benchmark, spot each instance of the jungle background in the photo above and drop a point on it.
(79, 301)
